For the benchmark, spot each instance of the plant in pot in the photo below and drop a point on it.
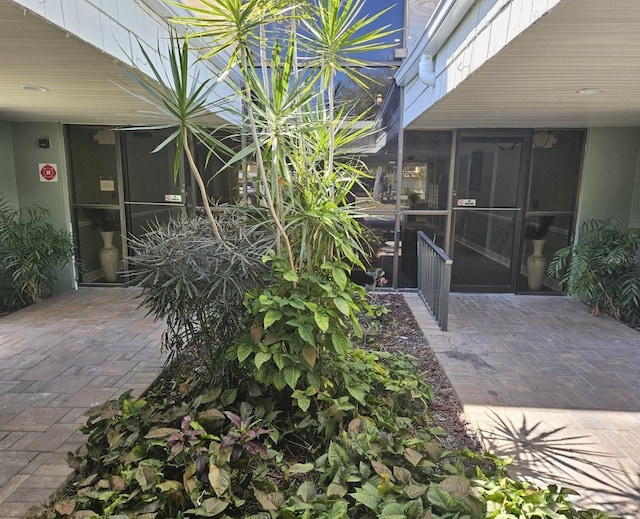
(536, 231)
(108, 221)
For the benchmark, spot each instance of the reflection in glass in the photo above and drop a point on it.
(425, 171)
(555, 170)
(92, 154)
(488, 170)
(150, 176)
(379, 231)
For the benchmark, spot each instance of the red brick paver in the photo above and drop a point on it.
(549, 386)
(57, 359)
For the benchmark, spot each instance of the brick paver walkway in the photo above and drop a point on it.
(549, 386)
(57, 359)
(541, 381)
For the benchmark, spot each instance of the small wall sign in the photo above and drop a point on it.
(107, 185)
(48, 172)
(173, 198)
(466, 202)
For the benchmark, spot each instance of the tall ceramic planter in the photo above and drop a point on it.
(536, 265)
(109, 257)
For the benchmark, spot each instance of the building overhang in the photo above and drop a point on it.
(574, 66)
(51, 74)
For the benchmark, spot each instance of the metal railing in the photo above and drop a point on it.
(434, 279)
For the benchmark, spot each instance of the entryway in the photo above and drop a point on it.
(512, 190)
(118, 185)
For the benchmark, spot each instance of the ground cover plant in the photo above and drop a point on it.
(190, 449)
(304, 418)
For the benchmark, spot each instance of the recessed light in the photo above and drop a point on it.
(589, 91)
(34, 88)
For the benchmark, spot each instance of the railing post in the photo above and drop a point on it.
(434, 279)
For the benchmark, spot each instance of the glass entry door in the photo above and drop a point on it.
(152, 192)
(487, 211)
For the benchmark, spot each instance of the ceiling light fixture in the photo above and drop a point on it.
(34, 88)
(589, 91)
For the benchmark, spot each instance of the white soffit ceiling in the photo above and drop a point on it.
(533, 81)
(78, 76)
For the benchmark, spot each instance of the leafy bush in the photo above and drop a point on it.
(196, 282)
(31, 252)
(603, 269)
(245, 453)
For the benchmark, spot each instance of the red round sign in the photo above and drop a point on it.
(48, 172)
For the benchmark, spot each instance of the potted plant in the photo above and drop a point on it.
(108, 221)
(536, 231)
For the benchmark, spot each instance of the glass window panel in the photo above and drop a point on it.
(555, 170)
(482, 248)
(89, 240)
(425, 171)
(378, 230)
(150, 175)
(141, 215)
(92, 152)
(488, 170)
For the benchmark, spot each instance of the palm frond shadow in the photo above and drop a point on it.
(549, 456)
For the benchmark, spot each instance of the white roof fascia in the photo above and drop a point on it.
(445, 19)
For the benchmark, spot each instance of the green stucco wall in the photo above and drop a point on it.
(609, 187)
(53, 196)
(8, 187)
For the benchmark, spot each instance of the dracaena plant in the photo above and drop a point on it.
(288, 55)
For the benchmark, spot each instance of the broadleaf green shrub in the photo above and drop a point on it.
(603, 269)
(244, 452)
(32, 251)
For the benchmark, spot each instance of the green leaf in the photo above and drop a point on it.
(303, 401)
(261, 358)
(341, 343)
(368, 500)
(301, 468)
(271, 317)
(244, 350)
(357, 391)
(393, 511)
(306, 334)
(279, 381)
(291, 376)
(307, 491)
(340, 277)
(291, 275)
(339, 510)
(337, 455)
(342, 305)
(336, 489)
(440, 498)
(322, 320)
(219, 477)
